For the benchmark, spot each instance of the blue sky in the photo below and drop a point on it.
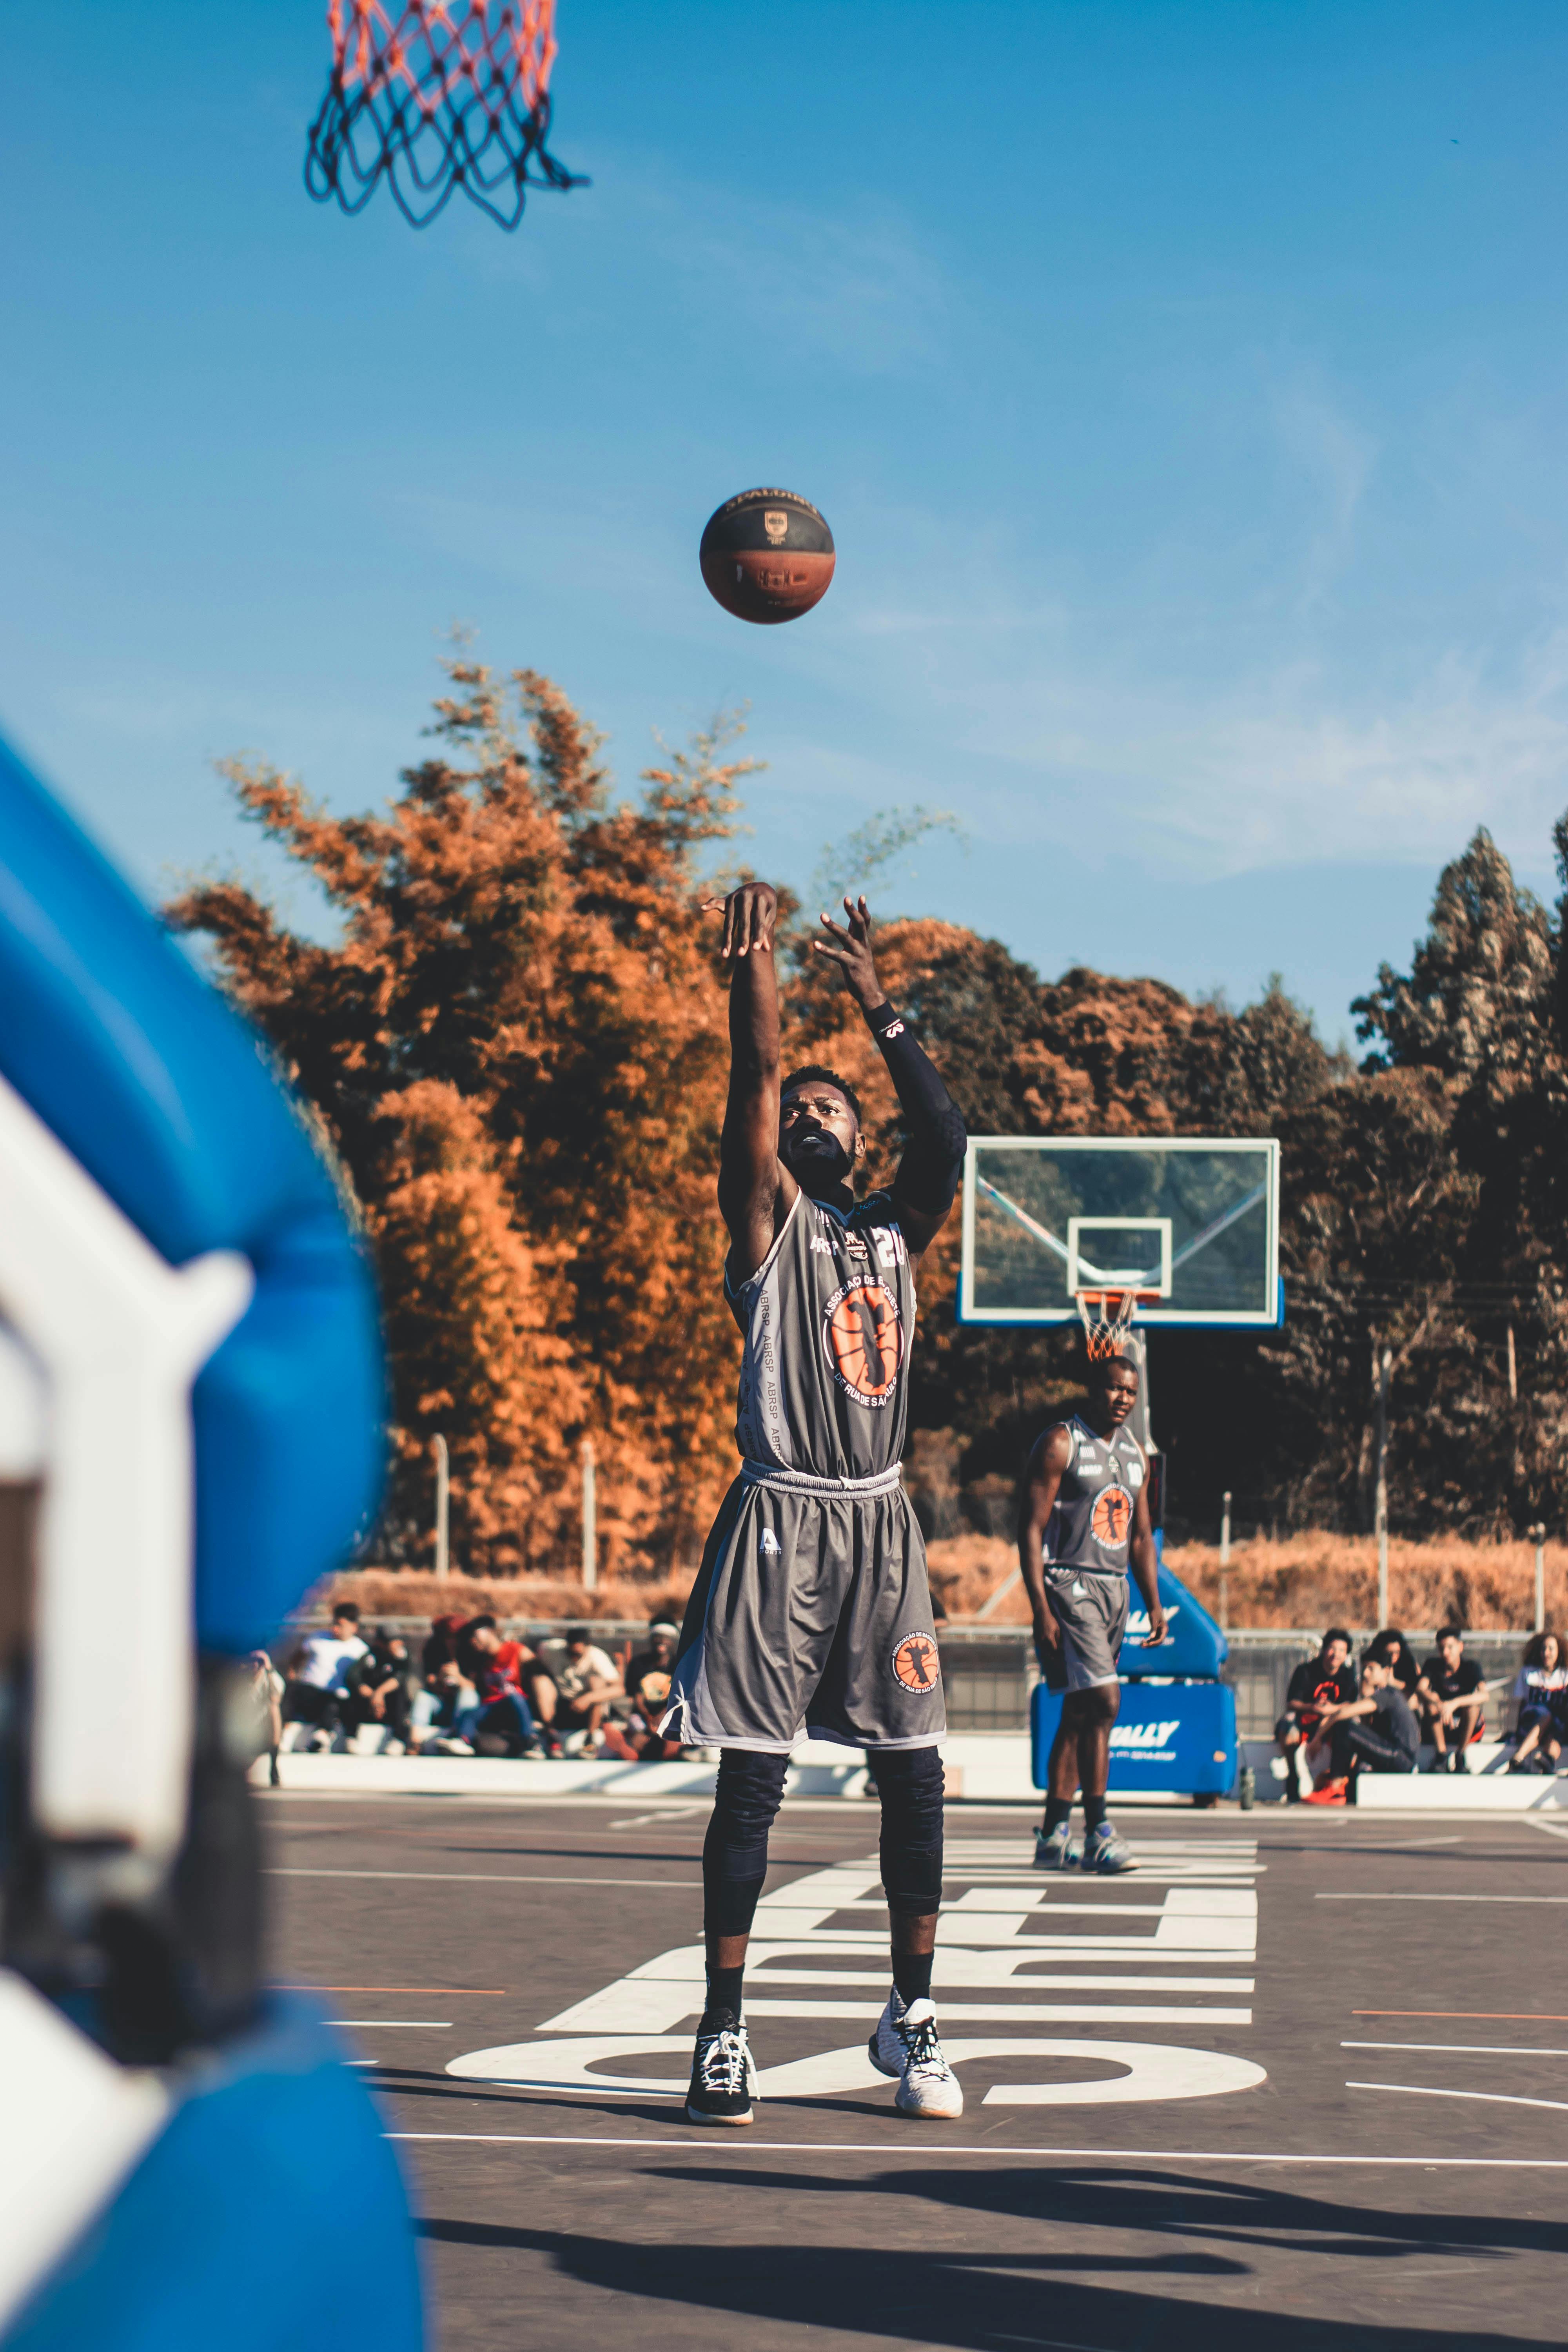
(1185, 385)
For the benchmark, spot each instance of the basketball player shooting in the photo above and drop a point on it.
(811, 1608)
(1084, 1510)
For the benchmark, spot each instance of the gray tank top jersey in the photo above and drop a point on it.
(1092, 1526)
(827, 1320)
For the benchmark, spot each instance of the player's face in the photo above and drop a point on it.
(1116, 1394)
(819, 1135)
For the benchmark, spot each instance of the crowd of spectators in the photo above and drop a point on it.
(472, 1691)
(1340, 1719)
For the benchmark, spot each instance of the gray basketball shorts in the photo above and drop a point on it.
(811, 1611)
(1091, 1610)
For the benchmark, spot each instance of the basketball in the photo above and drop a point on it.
(766, 556)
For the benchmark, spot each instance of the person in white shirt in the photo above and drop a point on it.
(586, 1679)
(323, 1675)
(1540, 1692)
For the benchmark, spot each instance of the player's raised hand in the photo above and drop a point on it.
(850, 949)
(750, 914)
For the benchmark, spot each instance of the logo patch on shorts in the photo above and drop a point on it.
(1111, 1522)
(770, 1541)
(865, 1341)
(916, 1664)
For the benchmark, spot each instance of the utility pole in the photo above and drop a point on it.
(1538, 1538)
(1225, 1560)
(443, 1504)
(590, 1520)
(1382, 1368)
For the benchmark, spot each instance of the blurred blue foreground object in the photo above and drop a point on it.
(190, 1392)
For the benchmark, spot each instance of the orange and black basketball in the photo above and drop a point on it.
(767, 555)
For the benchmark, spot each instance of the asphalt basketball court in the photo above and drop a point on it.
(1388, 2169)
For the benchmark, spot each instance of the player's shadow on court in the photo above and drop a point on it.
(1087, 2198)
(983, 2300)
(419, 2082)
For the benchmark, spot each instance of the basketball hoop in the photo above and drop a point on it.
(1107, 1319)
(433, 95)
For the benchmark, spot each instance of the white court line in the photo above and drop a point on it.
(1548, 1829)
(489, 1878)
(425, 2025)
(1467, 2049)
(1426, 2091)
(996, 2012)
(1442, 1899)
(929, 2146)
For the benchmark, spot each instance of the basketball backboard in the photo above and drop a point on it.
(1193, 1220)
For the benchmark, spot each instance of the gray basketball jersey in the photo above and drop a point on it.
(827, 1320)
(1091, 1525)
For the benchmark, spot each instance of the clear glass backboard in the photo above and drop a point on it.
(1194, 1219)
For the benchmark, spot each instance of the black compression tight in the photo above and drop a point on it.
(751, 1787)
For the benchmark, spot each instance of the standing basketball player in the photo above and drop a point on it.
(811, 1608)
(1085, 1510)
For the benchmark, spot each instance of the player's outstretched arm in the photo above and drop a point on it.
(754, 1191)
(1042, 1477)
(928, 1175)
(1146, 1567)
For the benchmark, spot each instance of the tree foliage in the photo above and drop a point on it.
(515, 1047)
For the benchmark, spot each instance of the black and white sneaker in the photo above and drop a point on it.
(906, 2043)
(724, 2072)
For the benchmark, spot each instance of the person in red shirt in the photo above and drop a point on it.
(505, 1674)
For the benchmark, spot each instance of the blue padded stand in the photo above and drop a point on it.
(268, 2215)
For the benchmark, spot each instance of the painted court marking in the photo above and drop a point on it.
(930, 2144)
(1493, 2098)
(1466, 2049)
(987, 1940)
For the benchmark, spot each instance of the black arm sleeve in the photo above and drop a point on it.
(929, 1172)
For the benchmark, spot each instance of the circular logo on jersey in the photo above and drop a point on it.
(865, 1341)
(916, 1664)
(1111, 1522)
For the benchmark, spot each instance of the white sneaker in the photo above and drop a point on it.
(1107, 1853)
(906, 2043)
(1058, 1851)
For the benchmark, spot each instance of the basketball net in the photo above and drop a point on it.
(434, 95)
(1107, 1319)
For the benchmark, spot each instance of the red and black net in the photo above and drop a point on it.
(433, 96)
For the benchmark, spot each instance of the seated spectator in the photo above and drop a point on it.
(1321, 1682)
(646, 1679)
(266, 1694)
(1375, 1732)
(321, 1673)
(502, 1719)
(587, 1680)
(1453, 1699)
(1396, 1654)
(1540, 1692)
(384, 1687)
(443, 1702)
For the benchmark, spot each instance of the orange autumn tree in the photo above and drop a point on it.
(517, 1050)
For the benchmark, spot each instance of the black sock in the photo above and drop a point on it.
(724, 1990)
(912, 1975)
(1057, 1811)
(1093, 1813)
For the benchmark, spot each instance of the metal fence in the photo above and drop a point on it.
(989, 1671)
